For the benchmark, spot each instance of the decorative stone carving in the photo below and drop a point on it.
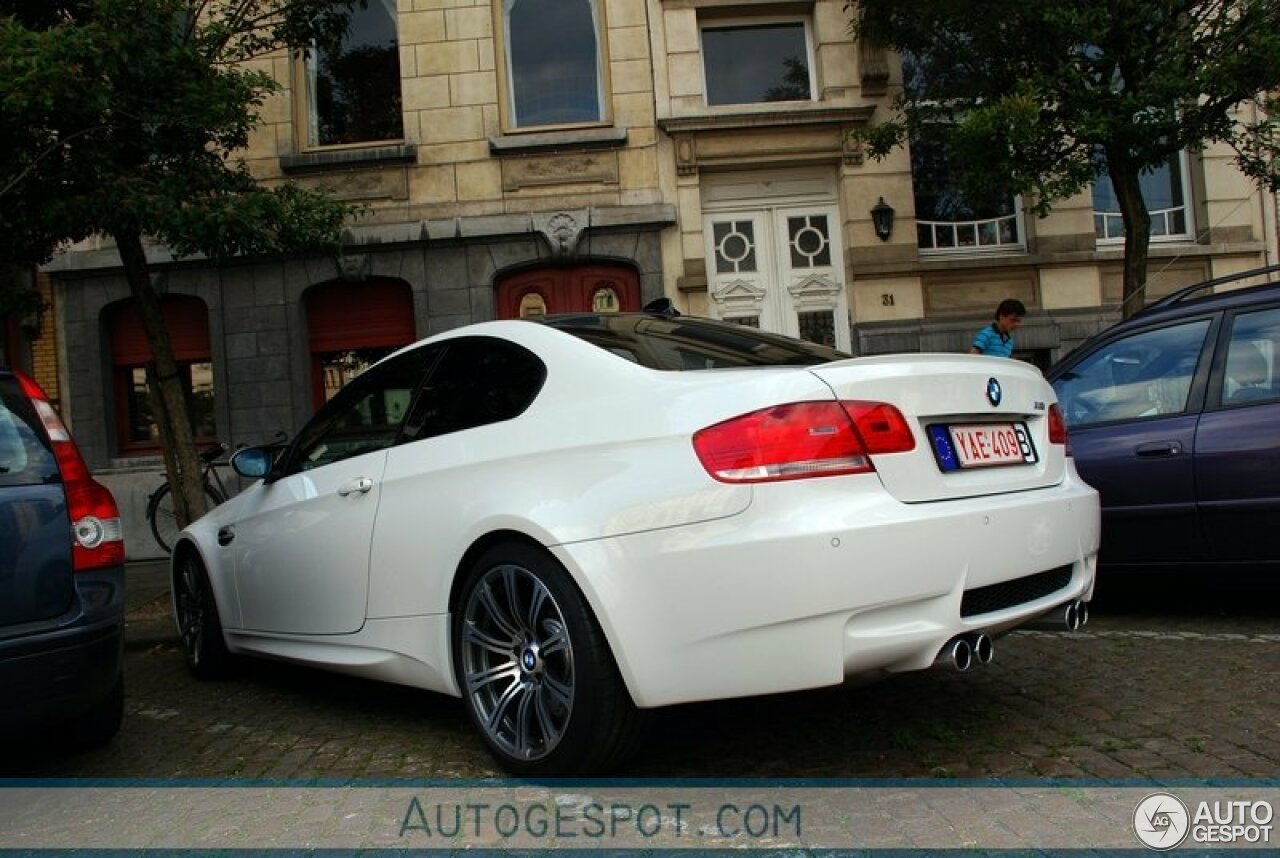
(562, 231)
(686, 155)
(738, 297)
(354, 267)
(817, 291)
(874, 67)
(567, 168)
(851, 151)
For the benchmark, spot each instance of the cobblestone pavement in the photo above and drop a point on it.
(1176, 678)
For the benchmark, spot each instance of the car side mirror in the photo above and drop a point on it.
(253, 462)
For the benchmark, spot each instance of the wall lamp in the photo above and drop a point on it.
(882, 219)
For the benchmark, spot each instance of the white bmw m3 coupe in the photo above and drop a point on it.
(570, 521)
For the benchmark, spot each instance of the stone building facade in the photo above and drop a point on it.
(517, 157)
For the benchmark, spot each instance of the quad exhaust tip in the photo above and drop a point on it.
(984, 649)
(957, 653)
(964, 651)
(1070, 617)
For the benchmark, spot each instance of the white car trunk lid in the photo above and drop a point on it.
(966, 413)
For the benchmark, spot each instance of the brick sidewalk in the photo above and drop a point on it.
(1146, 696)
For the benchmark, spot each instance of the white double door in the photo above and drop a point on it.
(779, 268)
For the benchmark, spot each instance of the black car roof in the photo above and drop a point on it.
(1184, 302)
(1189, 300)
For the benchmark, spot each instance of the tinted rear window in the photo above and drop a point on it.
(685, 343)
(25, 457)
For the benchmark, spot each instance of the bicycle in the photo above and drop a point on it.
(160, 514)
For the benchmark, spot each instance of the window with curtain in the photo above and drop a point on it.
(352, 326)
(187, 319)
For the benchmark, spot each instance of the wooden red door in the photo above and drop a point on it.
(583, 289)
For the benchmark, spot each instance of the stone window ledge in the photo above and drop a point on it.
(556, 141)
(765, 117)
(346, 159)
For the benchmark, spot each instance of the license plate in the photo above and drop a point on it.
(961, 446)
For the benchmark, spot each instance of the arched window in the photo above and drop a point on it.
(187, 320)
(554, 63)
(353, 325)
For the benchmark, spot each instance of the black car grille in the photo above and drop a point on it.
(997, 597)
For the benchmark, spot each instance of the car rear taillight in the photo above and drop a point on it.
(882, 427)
(97, 538)
(1058, 428)
(800, 440)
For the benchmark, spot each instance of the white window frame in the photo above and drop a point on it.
(1018, 218)
(974, 227)
(806, 21)
(1108, 218)
(774, 293)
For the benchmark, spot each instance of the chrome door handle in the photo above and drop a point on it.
(360, 486)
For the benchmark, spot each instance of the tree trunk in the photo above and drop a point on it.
(164, 385)
(1137, 235)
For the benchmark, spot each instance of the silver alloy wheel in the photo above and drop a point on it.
(190, 608)
(517, 662)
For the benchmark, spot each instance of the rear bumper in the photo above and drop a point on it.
(819, 580)
(62, 669)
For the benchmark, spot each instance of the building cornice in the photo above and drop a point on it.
(1104, 256)
(561, 229)
(767, 134)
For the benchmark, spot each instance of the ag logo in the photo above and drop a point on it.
(1161, 821)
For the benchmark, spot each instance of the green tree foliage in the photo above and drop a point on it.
(123, 118)
(1039, 98)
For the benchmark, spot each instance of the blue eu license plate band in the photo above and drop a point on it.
(949, 458)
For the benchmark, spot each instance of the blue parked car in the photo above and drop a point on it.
(1174, 417)
(61, 579)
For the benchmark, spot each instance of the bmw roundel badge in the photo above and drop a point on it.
(993, 391)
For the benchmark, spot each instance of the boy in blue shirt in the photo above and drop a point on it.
(996, 339)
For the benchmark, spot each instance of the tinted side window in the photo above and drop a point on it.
(25, 457)
(1253, 359)
(366, 415)
(480, 380)
(1147, 374)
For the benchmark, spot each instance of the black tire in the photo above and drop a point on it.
(199, 627)
(522, 661)
(160, 515)
(100, 724)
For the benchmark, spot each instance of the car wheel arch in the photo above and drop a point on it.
(498, 537)
(482, 544)
(186, 547)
